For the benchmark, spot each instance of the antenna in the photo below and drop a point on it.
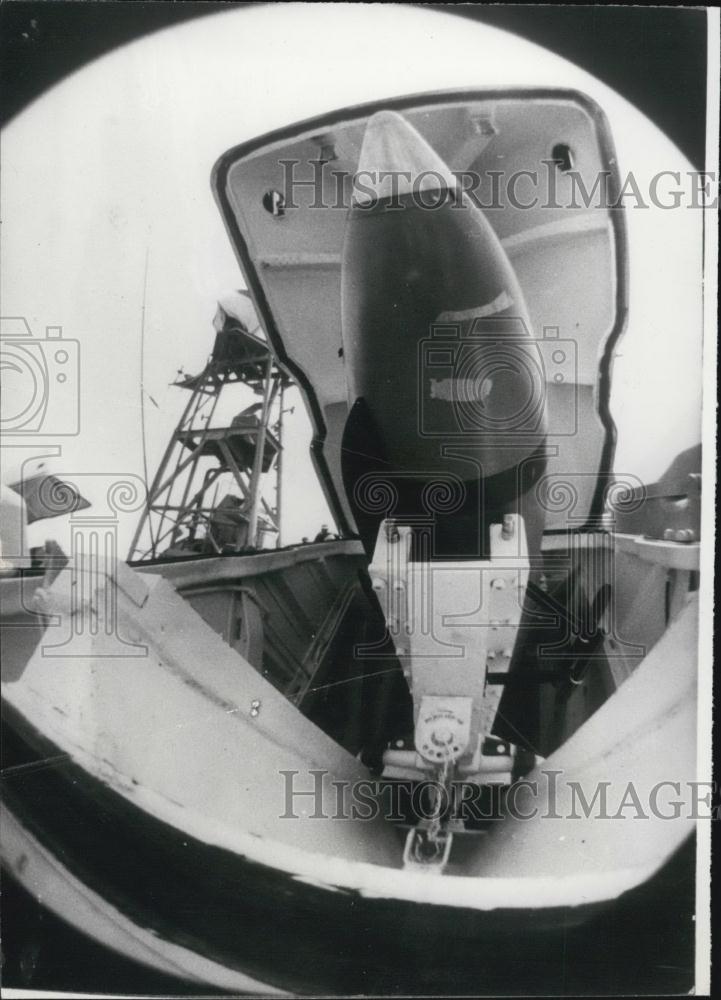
(142, 387)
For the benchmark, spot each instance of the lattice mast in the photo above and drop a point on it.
(206, 453)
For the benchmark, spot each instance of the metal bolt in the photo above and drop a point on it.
(378, 584)
(498, 584)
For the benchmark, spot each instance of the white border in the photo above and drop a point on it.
(708, 545)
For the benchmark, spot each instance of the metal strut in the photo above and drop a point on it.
(452, 623)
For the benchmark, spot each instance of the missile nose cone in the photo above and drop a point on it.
(442, 376)
(396, 160)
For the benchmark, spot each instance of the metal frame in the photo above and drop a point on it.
(250, 271)
(165, 515)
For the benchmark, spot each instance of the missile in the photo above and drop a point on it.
(445, 380)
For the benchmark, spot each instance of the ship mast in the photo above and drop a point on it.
(209, 455)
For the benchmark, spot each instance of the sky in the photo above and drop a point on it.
(105, 177)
